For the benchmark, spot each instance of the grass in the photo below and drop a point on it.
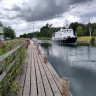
(84, 38)
(7, 46)
(11, 85)
(44, 38)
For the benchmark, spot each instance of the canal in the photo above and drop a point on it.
(75, 62)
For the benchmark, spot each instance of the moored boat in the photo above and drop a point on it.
(64, 36)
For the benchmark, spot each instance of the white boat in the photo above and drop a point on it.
(64, 36)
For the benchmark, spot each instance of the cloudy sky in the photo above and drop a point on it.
(20, 14)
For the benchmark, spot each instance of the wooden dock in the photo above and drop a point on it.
(39, 78)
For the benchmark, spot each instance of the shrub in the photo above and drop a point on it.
(92, 41)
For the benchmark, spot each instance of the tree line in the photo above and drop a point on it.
(78, 28)
(8, 32)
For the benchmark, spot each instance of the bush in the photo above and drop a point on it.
(94, 33)
(92, 41)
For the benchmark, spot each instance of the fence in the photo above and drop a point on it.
(4, 70)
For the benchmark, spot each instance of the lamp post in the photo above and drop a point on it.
(33, 22)
(90, 27)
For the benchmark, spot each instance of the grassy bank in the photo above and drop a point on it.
(44, 38)
(84, 39)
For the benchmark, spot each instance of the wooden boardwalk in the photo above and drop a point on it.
(38, 78)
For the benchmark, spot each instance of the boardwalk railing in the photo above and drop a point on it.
(15, 54)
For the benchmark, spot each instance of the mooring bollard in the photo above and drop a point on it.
(37, 47)
(45, 59)
(65, 87)
(39, 52)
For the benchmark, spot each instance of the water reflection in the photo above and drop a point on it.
(78, 63)
(45, 45)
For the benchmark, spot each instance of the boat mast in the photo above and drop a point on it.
(66, 26)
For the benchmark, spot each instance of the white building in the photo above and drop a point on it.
(1, 34)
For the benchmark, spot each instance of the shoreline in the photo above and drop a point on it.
(82, 40)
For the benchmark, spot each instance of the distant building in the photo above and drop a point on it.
(1, 34)
(7, 38)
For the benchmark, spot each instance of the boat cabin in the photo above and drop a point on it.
(64, 33)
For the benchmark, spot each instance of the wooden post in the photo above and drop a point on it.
(37, 47)
(39, 52)
(13, 56)
(45, 59)
(4, 81)
(20, 55)
(65, 87)
(1, 66)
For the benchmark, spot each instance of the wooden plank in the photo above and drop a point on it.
(54, 87)
(33, 77)
(27, 80)
(54, 74)
(41, 91)
(44, 78)
(23, 76)
(21, 81)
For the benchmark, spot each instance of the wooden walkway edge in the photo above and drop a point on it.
(38, 78)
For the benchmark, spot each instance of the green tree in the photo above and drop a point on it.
(92, 41)
(1, 24)
(80, 31)
(74, 26)
(86, 30)
(94, 33)
(9, 32)
(46, 31)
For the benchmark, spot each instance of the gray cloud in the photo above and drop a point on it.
(44, 9)
(79, 1)
(16, 8)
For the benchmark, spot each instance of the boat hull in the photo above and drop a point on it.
(67, 41)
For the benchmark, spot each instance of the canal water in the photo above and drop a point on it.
(75, 62)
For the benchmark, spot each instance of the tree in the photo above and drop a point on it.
(74, 26)
(94, 33)
(86, 30)
(46, 31)
(92, 41)
(1, 24)
(9, 32)
(80, 31)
